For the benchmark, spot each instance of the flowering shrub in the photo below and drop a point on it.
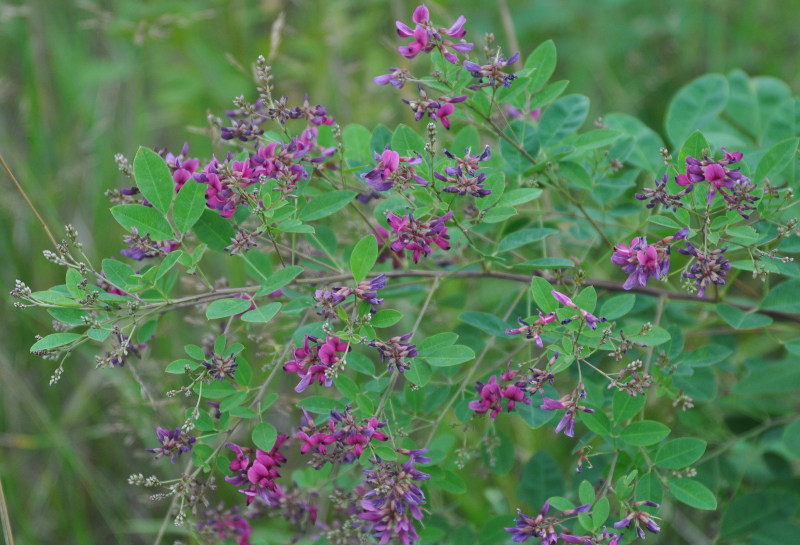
(340, 255)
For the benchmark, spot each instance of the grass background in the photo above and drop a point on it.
(82, 80)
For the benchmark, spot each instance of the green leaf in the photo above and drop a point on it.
(346, 386)
(785, 297)
(644, 432)
(776, 159)
(357, 144)
(153, 179)
(54, 341)
(419, 372)
(597, 422)
(189, 205)
(434, 342)
(707, 355)
(541, 478)
(624, 406)
(648, 487)
(262, 314)
(646, 142)
(617, 306)
(680, 453)
(692, 493)
(326, 204)
(447, 356)
(406, 141)
(695, 106)
(791, 438)
(214, 230)
(523, 237)
(586, 299)
(280, 279)
(738, 319)
(118, 273)
(178, 367)
(543, 63)
(146, 220)
(514, 197)
(489, 323)
(600, 512)
(770, 378)
(363, 258)
(562, 118)
(548, 94)
(264, 436)
(223, 308)
(526, 137)
(586, 492)
(386, 318)
(750, 512)
(167, 263)
(541, 290)
(657, 335)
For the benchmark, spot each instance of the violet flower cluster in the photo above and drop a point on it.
(639, 518)
(542, 526)
(534, 330)
(418, 237)
(173, 443)
(392, 169)
(465, 178)
(641, 260)
(514, 388)
(395, 352)
(734, 186)
(393, 503)
(568, 403)
(312, 362)
(491, 74)
(342, 440)
(257, 475)
(226, 524)
(591, 319)
(366, 290)
(427, 37)
(440, 108)
(709, 267)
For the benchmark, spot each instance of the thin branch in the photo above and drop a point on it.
(27, 200)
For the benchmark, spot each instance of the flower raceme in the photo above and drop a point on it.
(343, 439)
(734, 186)
(491, 74)
(314, 360)
(591, 319)
(393, 169)
(543, 526)
(257, 475)
(641, 260)
(439, 109)
(418, 237)
(173, 443)
(427, 37)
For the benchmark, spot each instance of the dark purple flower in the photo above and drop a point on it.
(419, 236)
(570, 403)
(491, 74)
(641, 260)
(226, 524)
(312, 362)
(393, 169)
(440, 108)
(427, 37)
(395, 353)
(533, 331)
(396, 76)
(173, 443)
(709, 267)
(734, 186)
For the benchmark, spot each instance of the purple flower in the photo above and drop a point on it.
(660, 195)
(395, 352)
(491, 74)
(427, 37)
(709, 267)
(641, 260)
(639, 518)
(312, 362)
(439, 109)
(419, 236)
(173, 443)
(226, 524)
(532, 331)
(570, 403)
(591, 319)
(394, 500)
(393, 169)
(396, 76)
(734, 187)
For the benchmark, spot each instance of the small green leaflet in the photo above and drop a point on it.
(153, 179)
(227, 307)
(325, 205)
(146, 220)
(54, 341)
(189, 205)
(363, 258)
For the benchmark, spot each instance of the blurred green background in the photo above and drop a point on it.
(85, 79)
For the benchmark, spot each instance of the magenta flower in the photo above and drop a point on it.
(641, 260)
(734, 186)
(257, 475)
(532, 331)
(440, 108)
(496, 397)
(396, 77)
(491, 74)
(541, 526)
(570, 404)
(226, 524)
(427, 37)
(419, 236)
(393, 169)
(312, 362)
(591, 319)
